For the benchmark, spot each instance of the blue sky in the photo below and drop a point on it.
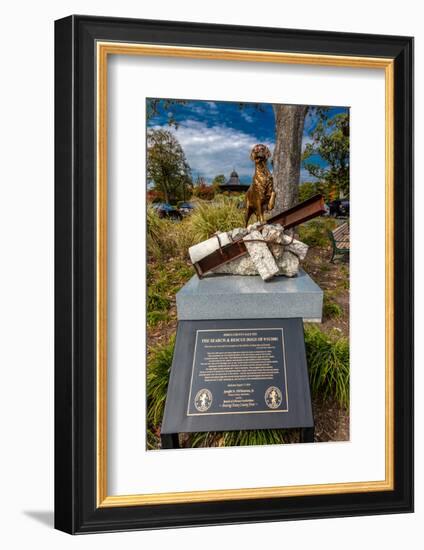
(217, 136)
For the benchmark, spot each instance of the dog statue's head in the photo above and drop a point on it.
(260, 153)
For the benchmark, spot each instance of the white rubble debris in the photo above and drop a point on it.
(199, 251)
(238, 233)
(284, 258)
(288, 265)
(261, 255)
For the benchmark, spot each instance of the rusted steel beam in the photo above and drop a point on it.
(297, 215)
(221, 256)
(301, 213)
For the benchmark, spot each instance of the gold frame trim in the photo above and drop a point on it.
(104, 49)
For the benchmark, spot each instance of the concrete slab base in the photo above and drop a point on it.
(249, 297)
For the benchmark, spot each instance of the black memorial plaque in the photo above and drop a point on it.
(238, 371)
(237, 375)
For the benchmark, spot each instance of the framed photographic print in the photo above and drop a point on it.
(234, 274)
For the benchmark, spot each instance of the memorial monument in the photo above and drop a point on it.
(240, 356)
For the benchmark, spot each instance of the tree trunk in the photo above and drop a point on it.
(289, 122)
(165, 191)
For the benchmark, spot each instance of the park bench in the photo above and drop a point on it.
(340, 240)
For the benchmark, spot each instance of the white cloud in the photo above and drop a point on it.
(305, 140)
(204, 108)
(217, 149)
(246, 116)
(212, 105)
(306, 176)
(198, 109)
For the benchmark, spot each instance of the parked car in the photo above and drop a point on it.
(339, 208)
(186, 208)
(166, 210)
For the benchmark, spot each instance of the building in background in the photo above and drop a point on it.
(234, 185)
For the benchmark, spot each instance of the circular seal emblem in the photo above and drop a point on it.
(273, 397)
(203, 400)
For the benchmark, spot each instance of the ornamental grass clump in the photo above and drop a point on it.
(167, 238)
(328, 364)
(158, 244)
(158, 368)
(223, 214)
(239, 438)
(331, 309)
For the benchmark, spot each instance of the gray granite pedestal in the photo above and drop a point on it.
(249, 297)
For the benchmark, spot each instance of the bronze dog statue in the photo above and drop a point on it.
(260, 196)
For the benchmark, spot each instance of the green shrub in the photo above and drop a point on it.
(331, 309)
(158, 229)
(157, 301)
(164, 280)
(343, 284)
(307, 190)
(154, 224)
(328, 364)
(152, 438)
(239, 438)
(344, 270)
(315, 232)
(158, 368)
(155, 317)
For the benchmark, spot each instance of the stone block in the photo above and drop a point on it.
(249, 297)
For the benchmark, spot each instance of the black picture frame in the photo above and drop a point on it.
(76, 509)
